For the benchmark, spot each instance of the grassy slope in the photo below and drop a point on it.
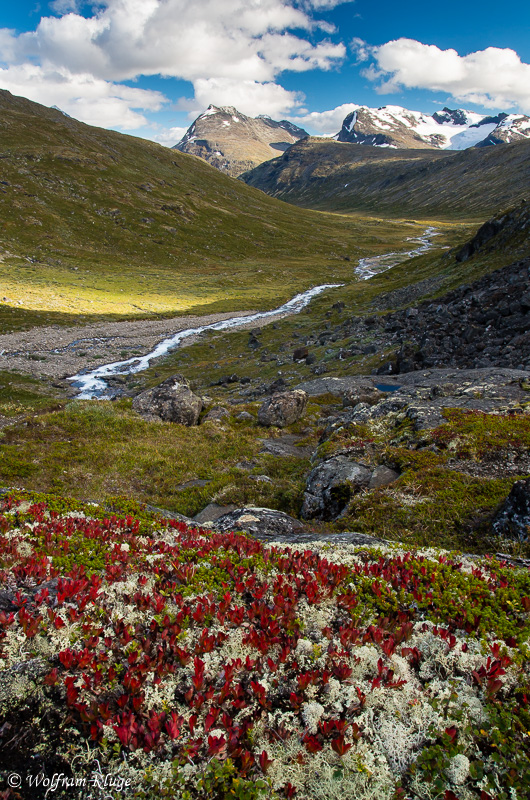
(95, 222)
(342, 177)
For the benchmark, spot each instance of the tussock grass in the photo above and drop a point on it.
(96, 449)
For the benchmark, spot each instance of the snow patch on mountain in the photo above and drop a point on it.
(450, 129)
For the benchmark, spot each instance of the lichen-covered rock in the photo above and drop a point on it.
(512, 521)
(262, 523)
(212, 512)
(170, 401)
(283, 408)
(366, 393)
(330, 486)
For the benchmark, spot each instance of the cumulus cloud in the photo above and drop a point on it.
(245, 39)
(494, 77)
(166, 136)
(82, 96)
(243, 43)
(249, 97)
(324, 123)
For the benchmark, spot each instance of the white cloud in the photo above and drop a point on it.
(166, 136)
(494, 77)
(324, 123)
(245, 44)
(323, 4)
(82, 96)
(243, 39)
(64, 6)
(249, 97)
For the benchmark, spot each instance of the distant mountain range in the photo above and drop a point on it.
(450, 129)
(233, 142)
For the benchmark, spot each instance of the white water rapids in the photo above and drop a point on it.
(92, 384)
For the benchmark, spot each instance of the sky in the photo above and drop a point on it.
(149, 67)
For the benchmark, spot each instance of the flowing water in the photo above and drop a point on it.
(92, 384)
(368, 267)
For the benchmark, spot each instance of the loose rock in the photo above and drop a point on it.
(262, 523)
(216, 414)
(171, 401)
(283, 408)
(382, 476)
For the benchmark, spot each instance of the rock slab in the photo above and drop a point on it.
(512, 521)
(330, 486)
(262, 523)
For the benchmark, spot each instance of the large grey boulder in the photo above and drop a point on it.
(262, 523)
(171, 401)
(512, 521)
(330, 486)
(282, 408)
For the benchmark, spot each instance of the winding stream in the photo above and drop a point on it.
(92, 384)
(368, 267)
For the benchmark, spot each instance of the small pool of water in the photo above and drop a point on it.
(387, 387)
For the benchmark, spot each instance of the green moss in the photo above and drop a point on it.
(220, 780)
(431, 505)
(474, 434)
(101, 450)
(20, 394)
(75, 550)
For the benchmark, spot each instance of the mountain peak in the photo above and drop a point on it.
(233, 142)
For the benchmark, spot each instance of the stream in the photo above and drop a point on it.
(368, 267)
(92, 384)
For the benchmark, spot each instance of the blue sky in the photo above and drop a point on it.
(148, 67)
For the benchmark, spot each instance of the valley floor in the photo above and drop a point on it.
(56, 352)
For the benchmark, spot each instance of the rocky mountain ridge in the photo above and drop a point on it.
(431, 183)
(450, 129)
(233, 142)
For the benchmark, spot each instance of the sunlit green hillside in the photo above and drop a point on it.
(95, 222)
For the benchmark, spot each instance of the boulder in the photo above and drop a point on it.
(365, 393)
(300, 354)
(262, 523)
(512, 520)
(382, 476)
(330, 486)
(282, 408)
(244, 416)
(171, 401)
(216, 414)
